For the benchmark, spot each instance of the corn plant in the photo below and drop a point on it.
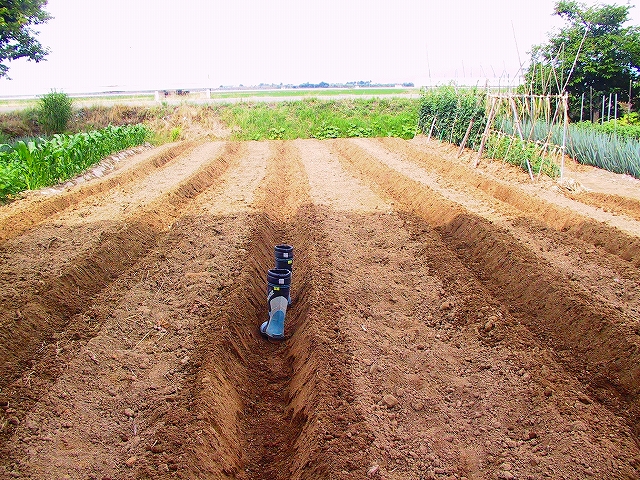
(31, 164)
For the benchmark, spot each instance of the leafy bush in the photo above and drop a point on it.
(518, 152)
(623, 129)
(54, 112)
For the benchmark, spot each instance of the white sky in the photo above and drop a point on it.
(99, 45)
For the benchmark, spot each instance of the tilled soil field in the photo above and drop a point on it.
(447, 322)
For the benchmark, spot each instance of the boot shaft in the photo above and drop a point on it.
(278, 283)
(283, 255)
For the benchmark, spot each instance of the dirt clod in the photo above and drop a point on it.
(390, 401)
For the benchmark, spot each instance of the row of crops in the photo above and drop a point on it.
(36, 163)
(460, 115)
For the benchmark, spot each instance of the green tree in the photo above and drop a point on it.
(593, 54)
(17, 39)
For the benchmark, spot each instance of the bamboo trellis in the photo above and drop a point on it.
(525, 111)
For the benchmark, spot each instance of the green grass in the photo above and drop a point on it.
(316, 118)
(20, 104)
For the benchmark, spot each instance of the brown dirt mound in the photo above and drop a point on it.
(18, 217)
(564, 219)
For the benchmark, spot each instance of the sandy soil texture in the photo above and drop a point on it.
(447, 322)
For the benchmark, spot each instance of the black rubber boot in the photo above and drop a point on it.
(278, 285)
(283, 254)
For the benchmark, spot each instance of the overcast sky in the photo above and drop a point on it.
(99, 45)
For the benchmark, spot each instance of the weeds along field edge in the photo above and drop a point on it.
(322, 119)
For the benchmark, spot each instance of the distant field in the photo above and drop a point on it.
(145, 98)
(316, 92)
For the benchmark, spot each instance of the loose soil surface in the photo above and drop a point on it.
(447, 322)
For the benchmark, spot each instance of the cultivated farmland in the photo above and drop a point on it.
(447, 322)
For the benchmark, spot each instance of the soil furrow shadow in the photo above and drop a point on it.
(608, 277)
(614, 203)
(263, 410)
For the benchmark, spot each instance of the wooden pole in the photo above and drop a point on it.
(581, 107)
(609, 109)
(516, 118)
(615, 113)
(453, 125)
(466, 137)
(603, 102)
(487, 128)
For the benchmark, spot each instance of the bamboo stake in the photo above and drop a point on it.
(433, 124)
(615, 114)
(485, 134)
(530, 170)
(466, 137)
(565, 103)
(455, 119)
(516, 118)
(541, 164)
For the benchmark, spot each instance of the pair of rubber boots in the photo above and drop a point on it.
(278, 292)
